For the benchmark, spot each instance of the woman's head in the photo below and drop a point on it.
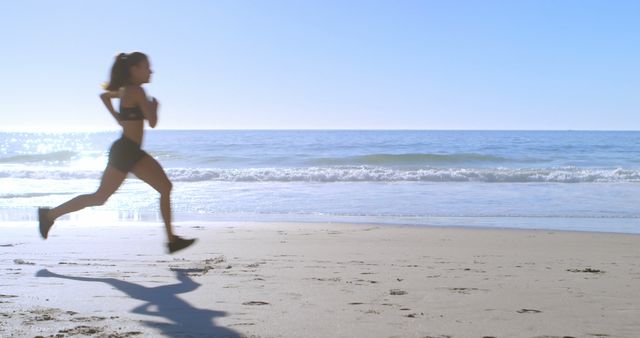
(130, 68)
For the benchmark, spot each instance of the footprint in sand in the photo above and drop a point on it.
(528, 311)
(43, 318)
(22, 262)
(256, 265)
(88, 319)
(242, 324)
(587, 270)
(414, 315)
(465, 291)
(81, 330)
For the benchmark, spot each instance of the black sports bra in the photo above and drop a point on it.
(130, 114)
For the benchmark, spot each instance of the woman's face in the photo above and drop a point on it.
(141, 72)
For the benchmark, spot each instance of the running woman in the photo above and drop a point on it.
(128, 74)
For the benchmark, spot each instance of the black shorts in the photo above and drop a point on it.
(124, 154)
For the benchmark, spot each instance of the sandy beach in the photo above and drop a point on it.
(317, 280)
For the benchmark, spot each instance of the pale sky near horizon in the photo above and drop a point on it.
(329, 64)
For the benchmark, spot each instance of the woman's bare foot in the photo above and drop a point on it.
(45, 222)
(179, 243)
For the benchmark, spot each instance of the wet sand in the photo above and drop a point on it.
(317, 280)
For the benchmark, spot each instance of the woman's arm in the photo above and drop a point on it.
(149, 108)
(106, 99)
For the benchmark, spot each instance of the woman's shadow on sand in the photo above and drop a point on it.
(186, 319)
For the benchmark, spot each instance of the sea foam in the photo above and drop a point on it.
(359, 174)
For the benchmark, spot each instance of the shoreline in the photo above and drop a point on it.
(619, 225)
(198, 224)
(274, 279)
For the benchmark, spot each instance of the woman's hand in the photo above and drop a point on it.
(148, 106)
(154, 104)
(106, 99)
(152, 113)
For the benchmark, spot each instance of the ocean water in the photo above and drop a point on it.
(558, 180)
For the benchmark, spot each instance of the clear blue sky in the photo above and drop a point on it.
(329, 64)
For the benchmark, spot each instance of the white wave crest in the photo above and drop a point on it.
(362, 174)
(379, 174)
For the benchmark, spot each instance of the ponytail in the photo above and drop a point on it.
(120, 69)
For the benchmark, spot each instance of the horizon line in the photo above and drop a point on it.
(101, 130)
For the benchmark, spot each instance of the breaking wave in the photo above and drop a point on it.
(57, 156)
(363, 174)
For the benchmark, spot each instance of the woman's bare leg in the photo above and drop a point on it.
(111, 181)
(150, 171)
